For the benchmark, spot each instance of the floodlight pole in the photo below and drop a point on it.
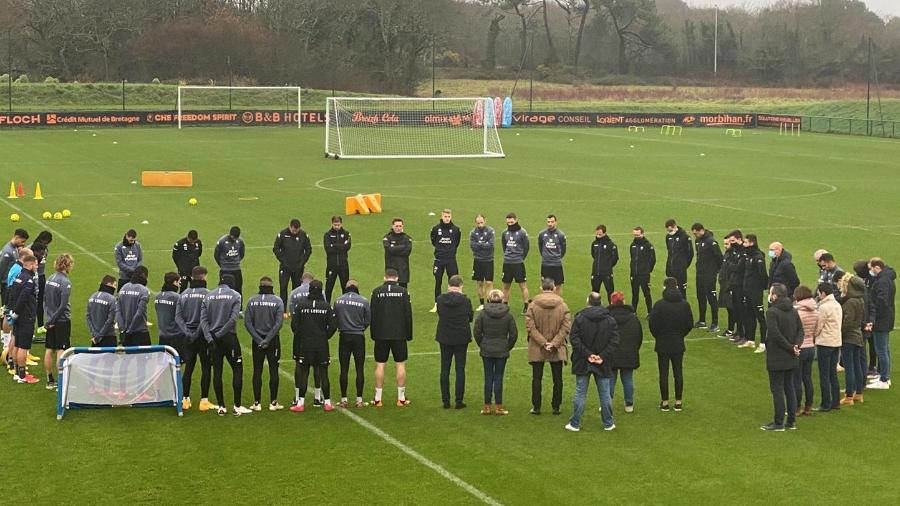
(869, 86)
(716, 44)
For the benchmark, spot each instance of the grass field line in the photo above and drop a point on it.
(480, 495)
(418, 457)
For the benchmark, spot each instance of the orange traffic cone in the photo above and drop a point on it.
(12, 190)
(20, 191)
(37, 192)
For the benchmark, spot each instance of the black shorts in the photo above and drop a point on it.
(24, 334)
(59, 336)
(141, 338)
(175, 342)
(554, 272)
(514, 272)
(483, 270)
(450, 267)
(108, 341)
(312, 357)
(397, 348)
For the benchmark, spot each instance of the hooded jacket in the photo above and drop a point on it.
(882, 293)
(229, 253)
(552, 245)
(337, 244)
(782, 270)
(353, 313)
(23, 296)
(445, 238)
(755, 277)
(391, 313)
(828, 327)
(186, 255)
(670, 321)
(495, 330)
(131, 312)
(631, 336)
(853, 310)
(643, 257)
(680, 252)
(101, 313)
(292, 251)
(264, 317)
(397, 249)
(166, 304)
(8, 256)
(481, 240)
(128, 258)
(605, 255)
(187, 312)
(515, 244)
(219, 313)
(709, 256)
(454, 319)
(313, 324)
(548, 320)
(56, 299)
(809, 316)
(594, 332)
(785, 332)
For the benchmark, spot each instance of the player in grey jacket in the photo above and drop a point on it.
(131, 311)
(128, 257)
(552, 245)
(353, 317)
(166, 304)
(515, 249)
(229, 253)
(263, 319)
(187, 315)
(481, 240)
(58, 314)
(218, 320)
(101, 313)
(8, 257)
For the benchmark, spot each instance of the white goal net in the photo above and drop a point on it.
(139, 376)
(412, 128)
(239, 105)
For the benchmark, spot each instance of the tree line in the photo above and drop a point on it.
(390, 45)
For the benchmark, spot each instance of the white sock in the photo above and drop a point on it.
(378, 394)
(301, 401)
(343, 399)
(328, 402)
(359, 399)
(318, 394)
(296, 395)
(401, 393)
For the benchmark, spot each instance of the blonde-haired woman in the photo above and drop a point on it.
(58, 311)
(495, 334)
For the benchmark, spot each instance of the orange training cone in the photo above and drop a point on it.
(12, 190)
(37, 192)
(20, 191)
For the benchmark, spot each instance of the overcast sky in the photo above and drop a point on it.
(882, 7)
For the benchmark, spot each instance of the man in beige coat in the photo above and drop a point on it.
(828, 347)
(548, 322)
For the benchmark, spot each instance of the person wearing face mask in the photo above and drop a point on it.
(781, 267)
(680, 254)
(128, 257)
(735, 259)
(755, 282)
(643, 259)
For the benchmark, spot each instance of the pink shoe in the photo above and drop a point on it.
(328, 406)
(298, 408)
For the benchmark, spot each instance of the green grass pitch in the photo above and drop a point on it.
(814, 191)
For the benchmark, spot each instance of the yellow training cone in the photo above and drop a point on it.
(12, 191)
(37, 192)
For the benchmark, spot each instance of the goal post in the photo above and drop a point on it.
(374, 127)
(107, 377)
(226, 98)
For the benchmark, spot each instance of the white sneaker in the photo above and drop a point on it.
(840, 368)
(571, 428)
(748, 344)
(760, 349)
(611, 427)
(434, 309)
(221, 411)
(240, 410)
(256, 407)
(880, 385)
(275, 406)
(480, 307)
(629, 409)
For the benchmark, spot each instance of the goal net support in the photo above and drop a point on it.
(285, 101)
(366, 127)
(107, 377)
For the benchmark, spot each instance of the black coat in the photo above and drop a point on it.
(495, 330)
(785, 330)
(782, 270)
(756, 279)
(454, 319)
(671, 320)
(631, 336)
(313, 324)
(292, 251)
(186, 256)
(643, 257)
(882, 292)
(594, 332)
(681, 254)
(397, 248)
(709, 256)
(391, 311)
(337, 243)
(605, 255)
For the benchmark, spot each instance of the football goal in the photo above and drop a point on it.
(256, 105)
(368, 127)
